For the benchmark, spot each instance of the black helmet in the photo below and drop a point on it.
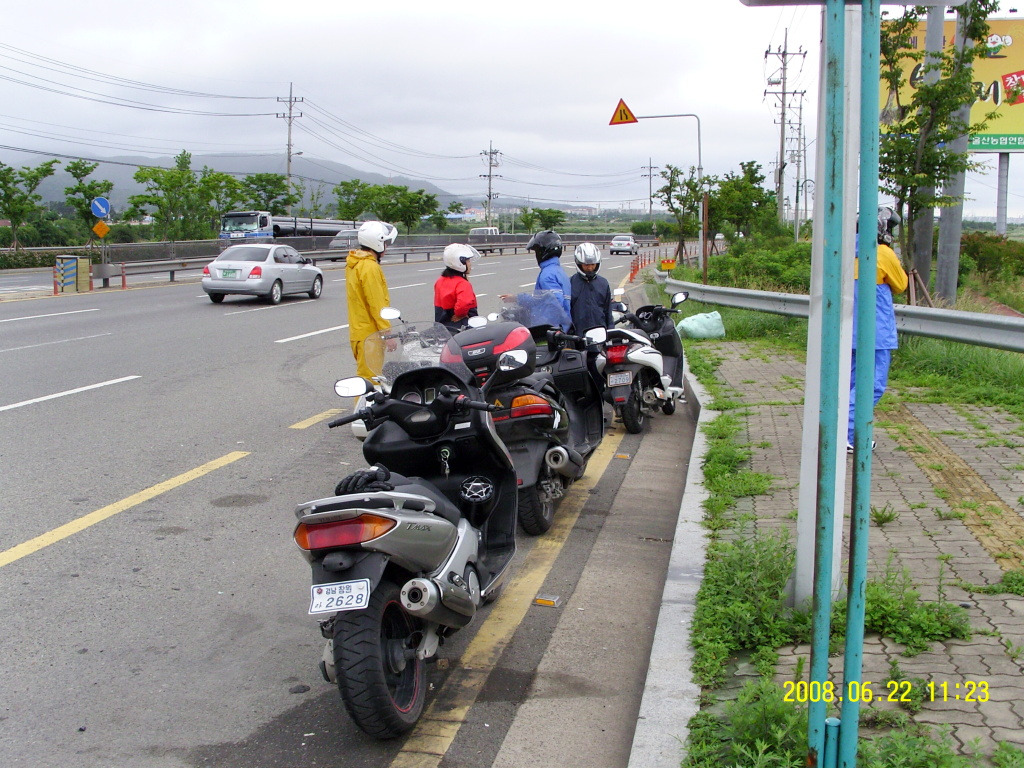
(888, 220)
(545, 245)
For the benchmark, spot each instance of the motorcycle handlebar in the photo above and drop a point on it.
(349, 419)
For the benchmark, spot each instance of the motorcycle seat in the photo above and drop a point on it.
(444, 508)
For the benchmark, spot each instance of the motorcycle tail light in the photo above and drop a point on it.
(530, 405)
(617, 355)
(257, 271)
(341, 533)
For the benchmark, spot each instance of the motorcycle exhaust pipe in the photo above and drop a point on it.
(425, 599)
(651, 397)
(564, 462)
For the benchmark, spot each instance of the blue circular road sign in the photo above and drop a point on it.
(100, 207)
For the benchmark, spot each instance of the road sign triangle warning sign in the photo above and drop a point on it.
(622, 115)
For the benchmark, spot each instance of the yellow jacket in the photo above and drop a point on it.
(367, 293)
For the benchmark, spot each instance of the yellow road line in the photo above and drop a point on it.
(317, 419)
(80, 524)
(440, 724)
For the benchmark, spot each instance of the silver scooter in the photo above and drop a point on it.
(406, 551)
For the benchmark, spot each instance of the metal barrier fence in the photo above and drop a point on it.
(980, 329)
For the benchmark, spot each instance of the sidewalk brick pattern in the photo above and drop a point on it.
(960, 497)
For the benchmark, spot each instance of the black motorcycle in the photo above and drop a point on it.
(550, 416)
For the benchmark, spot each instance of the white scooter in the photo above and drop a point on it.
(643, 362)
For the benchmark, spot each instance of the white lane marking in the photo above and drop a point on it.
(52, 314)
(60, 341)
(311, 333)
(483, 274)
(428, 269)
(526, 285)
(410, 285)
(481, 295)
(523, 269)
(66, 392)
(338, 280)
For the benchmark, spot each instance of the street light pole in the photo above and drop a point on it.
(700, 177)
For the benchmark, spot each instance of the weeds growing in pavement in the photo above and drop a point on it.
(1012, 583)
(884, 515)
(894, 609)
(741, 603)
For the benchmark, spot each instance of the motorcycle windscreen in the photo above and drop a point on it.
(408, 346)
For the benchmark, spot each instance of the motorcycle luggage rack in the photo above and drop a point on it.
(357, 503)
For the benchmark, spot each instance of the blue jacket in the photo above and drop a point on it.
(591, 303)
(890, 279)
(553, 278)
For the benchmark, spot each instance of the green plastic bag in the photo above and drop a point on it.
(706, 326)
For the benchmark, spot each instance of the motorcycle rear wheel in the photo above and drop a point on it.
(633, 416)
(536, 509)
(382, 690)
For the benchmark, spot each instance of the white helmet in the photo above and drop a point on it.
(376, 235)
(457, 256)
(587, 253)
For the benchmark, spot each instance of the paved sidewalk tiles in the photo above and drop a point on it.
(955, 476)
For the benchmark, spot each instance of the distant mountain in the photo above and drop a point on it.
(312, 173)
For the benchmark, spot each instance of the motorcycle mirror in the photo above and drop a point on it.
(390, 313)
(598, 335)
(679, 298)
(513, 360)
(353, 386)
(478, 322)
(619, 292)
(618, 306)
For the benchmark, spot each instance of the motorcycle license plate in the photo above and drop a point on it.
(339, 596)
(620, 379)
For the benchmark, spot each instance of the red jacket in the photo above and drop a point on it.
(453, 297)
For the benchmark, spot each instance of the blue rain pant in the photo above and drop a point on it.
(883, 357)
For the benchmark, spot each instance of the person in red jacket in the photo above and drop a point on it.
(454, 297)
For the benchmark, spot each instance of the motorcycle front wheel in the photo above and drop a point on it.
(537, 508)
(382, 683)
(633, 416)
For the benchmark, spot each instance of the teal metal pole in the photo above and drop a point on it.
(832, 729)
(832, 291)
(867, 250)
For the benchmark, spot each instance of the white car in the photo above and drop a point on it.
(624, 244)
(257, 269)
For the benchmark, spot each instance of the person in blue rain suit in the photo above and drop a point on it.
(550, 303)
(890, 279)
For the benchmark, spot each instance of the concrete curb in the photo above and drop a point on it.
(671, 697)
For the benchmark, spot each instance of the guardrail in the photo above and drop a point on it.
(978, 328)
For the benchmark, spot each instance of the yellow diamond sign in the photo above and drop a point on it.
(101, 229)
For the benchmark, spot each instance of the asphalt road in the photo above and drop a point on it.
(153, 447)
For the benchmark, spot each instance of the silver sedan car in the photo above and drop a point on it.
(267, 270)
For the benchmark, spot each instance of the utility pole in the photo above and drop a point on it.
(650, 192)
(492, 162)
(290, 116)
(797, 156)
(784, 55)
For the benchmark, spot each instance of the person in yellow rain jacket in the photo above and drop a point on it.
(890, 279)
(366, 289)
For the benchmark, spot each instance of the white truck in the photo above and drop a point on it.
(484, 239)
(248, 225)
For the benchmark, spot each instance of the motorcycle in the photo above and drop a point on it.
(551, 417)
(405, 552)
(643, 362)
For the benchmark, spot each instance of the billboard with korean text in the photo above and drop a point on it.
(998, 84)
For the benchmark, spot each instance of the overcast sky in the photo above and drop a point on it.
(422, 89)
